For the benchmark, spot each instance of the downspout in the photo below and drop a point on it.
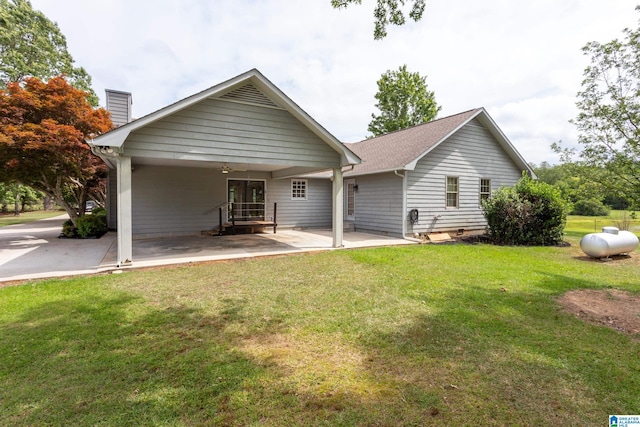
(344, 194)
(404, 202)
(348, 170)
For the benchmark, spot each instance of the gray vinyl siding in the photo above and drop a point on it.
(174, 200)
(315, 212)
(378, 203)
(470, 154)
(224, 131)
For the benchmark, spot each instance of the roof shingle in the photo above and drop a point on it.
(396, 150)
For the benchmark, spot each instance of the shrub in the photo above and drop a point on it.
(91, 225)
(530, 213)
(68, 229)
(99, 211)
(590, 207)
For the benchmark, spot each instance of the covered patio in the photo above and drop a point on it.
(34, 251)
(241, 150)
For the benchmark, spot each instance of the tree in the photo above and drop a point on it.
(609, 118)
(576, 181)
(403, 101)
(387, 12)
(33, 46)
(29, 197)
(549, 173)
(43, 127)
(19, 195)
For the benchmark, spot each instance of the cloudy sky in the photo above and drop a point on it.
(521, 60)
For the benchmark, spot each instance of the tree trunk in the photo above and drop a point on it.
(56, 194)
(16, 205)
(55, 191)
(48, 202)
(70, 210)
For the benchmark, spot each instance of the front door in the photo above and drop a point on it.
(350, 202)
(247, 199)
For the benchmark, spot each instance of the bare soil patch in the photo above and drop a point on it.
(613, 308)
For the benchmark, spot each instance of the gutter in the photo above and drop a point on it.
(374, 172)
(348, 170)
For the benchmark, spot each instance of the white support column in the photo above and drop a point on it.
(338, 208)
(125, 234)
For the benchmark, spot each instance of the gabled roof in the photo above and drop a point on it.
(401, 150)
(117, 137)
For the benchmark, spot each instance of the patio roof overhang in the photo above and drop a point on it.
(112, 144)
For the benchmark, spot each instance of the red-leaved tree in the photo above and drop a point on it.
(43, 127)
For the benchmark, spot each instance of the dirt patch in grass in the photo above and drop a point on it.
(613, 308)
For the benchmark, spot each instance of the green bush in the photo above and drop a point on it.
(590, 207)
(69, 230)
(91, 225)
(530, 213)
(99, 211)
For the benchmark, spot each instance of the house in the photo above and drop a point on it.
(431, 177)
(175, 171)
(244, 151)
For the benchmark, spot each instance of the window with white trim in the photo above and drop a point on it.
(298, 189)
(452, 192)
(485, 189)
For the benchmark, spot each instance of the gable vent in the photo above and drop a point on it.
(249, 94)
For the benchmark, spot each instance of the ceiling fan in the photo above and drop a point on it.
(225, 169)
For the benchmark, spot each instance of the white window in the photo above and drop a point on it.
(351, 198)
(298, 189)
(452, 192)
(485, 189)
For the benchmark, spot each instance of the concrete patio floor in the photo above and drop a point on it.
(177, 250)
(34, 251)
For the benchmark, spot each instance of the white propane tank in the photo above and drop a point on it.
(610, 242)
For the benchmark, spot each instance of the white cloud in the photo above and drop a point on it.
(520, 60)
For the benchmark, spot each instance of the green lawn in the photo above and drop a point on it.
(10, 218)
(420, 335)
(578, 226)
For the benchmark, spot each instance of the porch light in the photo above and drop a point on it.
(105, 150)
(225, 169)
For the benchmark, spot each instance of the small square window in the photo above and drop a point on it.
(452, 192)
(485, 189)
(298, 189)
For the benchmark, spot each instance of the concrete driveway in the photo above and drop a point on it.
(33, 250)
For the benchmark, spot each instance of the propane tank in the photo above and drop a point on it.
(611, 241)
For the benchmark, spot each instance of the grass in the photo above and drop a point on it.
(412, 336)
(11, 219)
(578, 226)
